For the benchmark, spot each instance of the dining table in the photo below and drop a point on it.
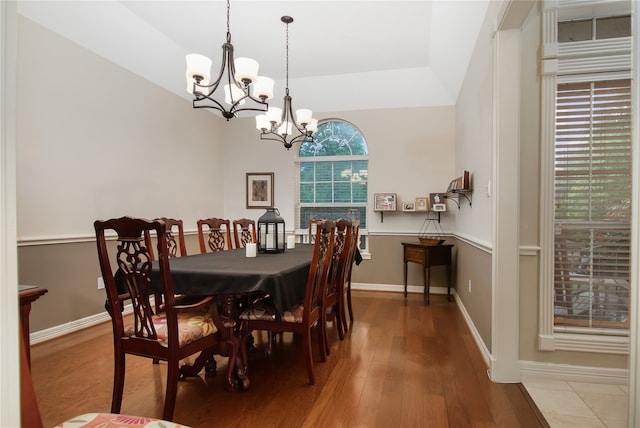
(233, 277)
(230, 273)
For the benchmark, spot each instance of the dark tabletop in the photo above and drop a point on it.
(283, 275)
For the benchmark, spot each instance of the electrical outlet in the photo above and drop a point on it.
(100, 283)
(469, 286)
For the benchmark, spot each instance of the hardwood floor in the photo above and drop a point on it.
(403, 364)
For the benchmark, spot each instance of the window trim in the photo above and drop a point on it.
(303, 232)
(563, 63)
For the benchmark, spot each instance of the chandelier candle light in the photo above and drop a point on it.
(278, 124)
(240, 79)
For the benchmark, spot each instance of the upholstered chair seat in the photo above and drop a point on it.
(191, 327)
(116, 420)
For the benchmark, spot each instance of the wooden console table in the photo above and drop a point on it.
(427, 256)
(28, 294)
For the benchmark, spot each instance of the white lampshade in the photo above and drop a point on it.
(262, 122)
(246, 69)
(285, 128)
(274, 114)
(236, 92)
(197, 65)
(313, 125)
(303, 115)
(263, 86)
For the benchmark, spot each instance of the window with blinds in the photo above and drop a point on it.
(592, 215)
(333, 174)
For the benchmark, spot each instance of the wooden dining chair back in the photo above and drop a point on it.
(300, 318)
(313, 227)
(171, 336)
(214, 234)
(334, 303)
(244, 232)
(349, 269)
(176, 246)
(345, 297)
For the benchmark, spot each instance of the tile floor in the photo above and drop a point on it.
(579, 404)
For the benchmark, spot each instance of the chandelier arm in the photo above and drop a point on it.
(279, 138)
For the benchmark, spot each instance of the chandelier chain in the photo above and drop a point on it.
(287, 60)
(228, 22)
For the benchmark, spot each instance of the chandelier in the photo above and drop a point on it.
(242, 85)
(279, 124)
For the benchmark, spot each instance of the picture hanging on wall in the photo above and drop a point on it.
(384, 201)
(422, 204)
(260, 190)
(437, 202)
(408, 206)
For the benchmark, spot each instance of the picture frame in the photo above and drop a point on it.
(437, 201)
(466, 182)
(408, 206)
(260, 190)
(385, 201)
(422, 203)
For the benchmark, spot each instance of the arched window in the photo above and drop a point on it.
(332, 176)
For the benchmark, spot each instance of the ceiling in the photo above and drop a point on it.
(343, 55)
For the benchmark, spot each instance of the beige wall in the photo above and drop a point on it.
(387, 264)
(474, 264)
(95, 141)
(403, 159)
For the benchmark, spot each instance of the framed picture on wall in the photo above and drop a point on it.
(384, 201)
(437, 202)
(260, 190)
(408, 206)
(422, 204)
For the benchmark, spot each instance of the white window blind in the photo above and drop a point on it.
(592, 205)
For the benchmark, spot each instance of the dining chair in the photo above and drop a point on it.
(313, 223)
(334, 303)
(349, 269)
(214, 234)
(300, 318)
(176, 245)
(244, 231)
(176, 333)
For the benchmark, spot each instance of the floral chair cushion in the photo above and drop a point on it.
(111, 420)
(191, 326)
(265, 311)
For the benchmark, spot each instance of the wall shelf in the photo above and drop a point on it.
(454, 195)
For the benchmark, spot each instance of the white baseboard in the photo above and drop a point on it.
(571, 373)
(484, 351)
(399, 288)
(71, 326)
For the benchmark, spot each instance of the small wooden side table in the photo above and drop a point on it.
(28, 294)
(427, 256)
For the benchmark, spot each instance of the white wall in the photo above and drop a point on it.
(474, 137)
(96, 141)
(411, 153)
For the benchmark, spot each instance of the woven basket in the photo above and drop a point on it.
(430, 241)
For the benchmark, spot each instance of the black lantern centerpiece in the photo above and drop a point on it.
(271, 238)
